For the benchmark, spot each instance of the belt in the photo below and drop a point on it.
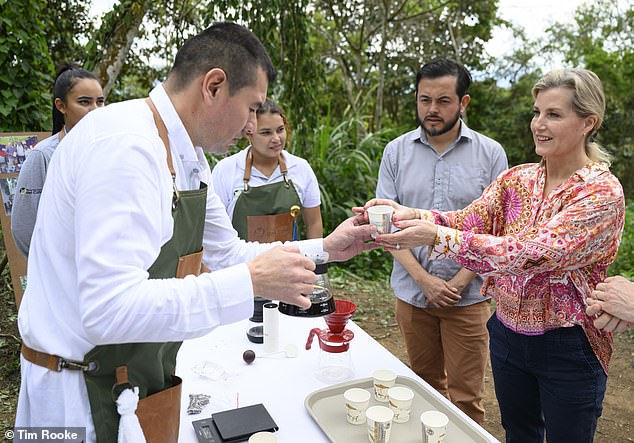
(55, 363)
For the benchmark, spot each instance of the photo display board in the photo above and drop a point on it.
(14, 149)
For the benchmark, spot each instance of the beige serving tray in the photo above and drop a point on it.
(326, 406)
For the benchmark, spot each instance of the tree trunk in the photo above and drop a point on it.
(378, 109)
(122, 25)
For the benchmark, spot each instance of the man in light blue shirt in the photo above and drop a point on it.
(441, 165)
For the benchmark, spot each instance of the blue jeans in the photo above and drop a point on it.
(550, 382)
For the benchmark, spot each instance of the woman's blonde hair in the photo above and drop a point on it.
(588, 99)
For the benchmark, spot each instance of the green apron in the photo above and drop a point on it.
(150, 366)
(267, 213)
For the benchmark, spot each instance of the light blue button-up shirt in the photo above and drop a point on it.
(414, 174)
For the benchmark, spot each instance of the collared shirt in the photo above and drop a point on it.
(228, 173)
(104, 215)
(542, 256)
(414, 174)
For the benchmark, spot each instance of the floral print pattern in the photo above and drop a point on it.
(541, 255)
(511, 205)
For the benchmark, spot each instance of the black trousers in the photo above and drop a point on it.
(551, 382)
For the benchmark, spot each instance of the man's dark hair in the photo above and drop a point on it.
(441, 67)
(227, 46)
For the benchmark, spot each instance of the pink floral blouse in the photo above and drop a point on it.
(541, 256)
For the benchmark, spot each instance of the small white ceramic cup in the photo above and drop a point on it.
(357, 401)
(263, 437)
(400, 402)
(381, 217)
(379, 423)
(434, 426)
(383, 379)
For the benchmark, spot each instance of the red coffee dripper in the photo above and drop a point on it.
(336, 338)
(338, 320)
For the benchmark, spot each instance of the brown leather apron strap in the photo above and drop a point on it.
(247, 169)
(53, 362)
(282, 164)
(162, 130)
(249, 164)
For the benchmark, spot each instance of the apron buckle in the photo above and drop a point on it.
(76, 365)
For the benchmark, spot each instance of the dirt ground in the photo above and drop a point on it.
(375, 313)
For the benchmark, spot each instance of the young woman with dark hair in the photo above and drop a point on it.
(76, 92)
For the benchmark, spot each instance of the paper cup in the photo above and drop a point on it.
(434, 426)
(400, 402)
(379, 419)
(383, 379)
(381, 217)
(357, 401)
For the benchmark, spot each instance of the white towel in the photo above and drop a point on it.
(129, 427)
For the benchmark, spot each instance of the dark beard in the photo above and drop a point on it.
(446, 128)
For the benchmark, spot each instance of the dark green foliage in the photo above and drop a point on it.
(504, 114)
(283, 26)
(372, 49)
(66, 22)
(27, 70)
(602, 39)
(346, 164)
(135, 80)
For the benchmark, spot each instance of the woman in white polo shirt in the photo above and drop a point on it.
(265, 188)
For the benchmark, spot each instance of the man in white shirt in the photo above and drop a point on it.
(107, 214)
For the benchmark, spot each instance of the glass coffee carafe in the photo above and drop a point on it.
(321, 299)
(335, 363)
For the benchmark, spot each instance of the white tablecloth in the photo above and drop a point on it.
(281, 384)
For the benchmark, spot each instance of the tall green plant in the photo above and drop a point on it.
(67, 23)
(504, 114)
(346, 162)
(27, 70)
(283, 26)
